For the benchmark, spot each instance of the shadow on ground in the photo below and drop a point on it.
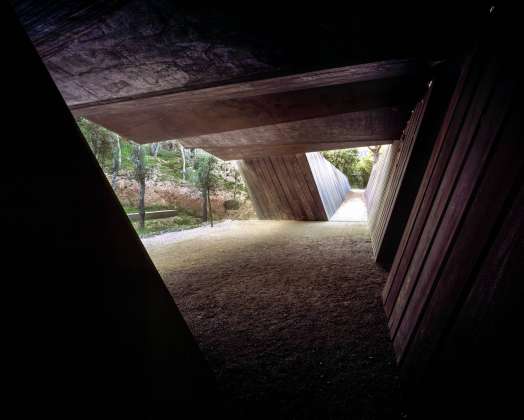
(289, 316)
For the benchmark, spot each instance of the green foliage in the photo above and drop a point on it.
(143, 164)
(168, 154)
(100, 141)
(166, 166)
(357, 169)
(364, 167)
(345, 160)
(204, 173)
(127, 152)
(231, 180)
(231, 204)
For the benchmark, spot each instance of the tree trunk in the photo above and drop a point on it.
(376, 152)
(235, 186)
(140, 175)
(117, 160)
(154, 149)
(142, 204)
(204, 205)
(183, 153)
(210, 208)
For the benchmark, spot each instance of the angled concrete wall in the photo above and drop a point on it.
(332, 184)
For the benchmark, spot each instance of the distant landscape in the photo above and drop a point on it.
(199, 187)
(166, 176)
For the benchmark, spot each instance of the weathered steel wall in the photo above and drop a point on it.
(294, 187)
(454, 291)
(150, 215)
(95, 324)
(376, 188)
(332, 184)
(395, 182)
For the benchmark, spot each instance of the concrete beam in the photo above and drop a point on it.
(263, 103)
(352, 129)
(123, 49)
(250, 152)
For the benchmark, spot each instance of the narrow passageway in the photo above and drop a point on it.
(289, 316)
(353, 209)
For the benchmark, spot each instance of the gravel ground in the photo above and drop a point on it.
(289, 316)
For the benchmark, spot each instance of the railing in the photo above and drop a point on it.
(159, 214)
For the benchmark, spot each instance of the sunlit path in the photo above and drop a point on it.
(353, 209)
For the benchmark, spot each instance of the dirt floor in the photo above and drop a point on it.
(288, 314)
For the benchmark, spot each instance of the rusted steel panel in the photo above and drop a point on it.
(294, 187)
(390, 212)
(453, 290)
(332, 184)
(377, 190)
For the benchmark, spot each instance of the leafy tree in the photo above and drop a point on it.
(346, 161)
(349, 162)
(141, 172)
(117, 159)
(169, 161)
(154, 149)
(364, 167)
(205, 177)
(375, 151)
(183, 155)
(106, 147)
(236, 177)
(100, 141)
(231, 179)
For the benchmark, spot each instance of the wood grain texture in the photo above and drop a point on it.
(294, 187)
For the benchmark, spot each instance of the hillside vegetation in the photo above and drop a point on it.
(356, 163)
(199, 186)
(165, 175)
